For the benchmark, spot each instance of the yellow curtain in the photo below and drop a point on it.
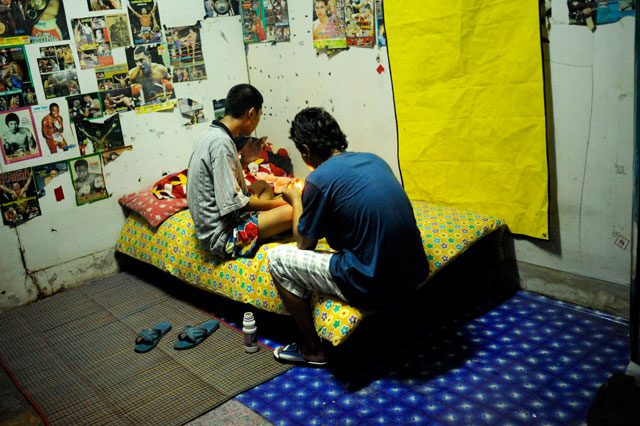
(468, 89)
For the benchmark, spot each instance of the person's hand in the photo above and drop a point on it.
(84, 190)
(98, 183)
(291, 195)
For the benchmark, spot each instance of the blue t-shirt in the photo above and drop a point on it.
(356, 203)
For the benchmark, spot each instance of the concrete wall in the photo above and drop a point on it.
(67, 246)
(590, 82)
(590, 90)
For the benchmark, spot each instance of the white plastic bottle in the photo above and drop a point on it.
(249, 329)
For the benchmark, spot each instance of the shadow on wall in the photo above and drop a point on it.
(554, 244)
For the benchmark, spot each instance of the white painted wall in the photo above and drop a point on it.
(590, 76)
(293, 76)
(592, 92)
(68, 246)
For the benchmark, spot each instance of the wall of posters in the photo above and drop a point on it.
(117, 100)
(185, 50)
(42, 21)
(381, 34)
(328, 24)
(218, 108)
(92, 42)
(112, 77)
(277, 20)
(18, 136)
(214, 8)
(145, 21)
(253, 22)
(118, 28)
(97, 5)
(193, 110)
(99, 135)
(46, 174)
(86, 106)
(18, 200)
(360, 23)
(88, 179)
(115, 88)
(15, 79)
(111, 155)
(58, 71)
(150, 77)
(54, 130)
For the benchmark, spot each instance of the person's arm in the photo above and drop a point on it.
(137, 15)
(23, 190)
(87, 135)
(293, 197)
(258, 204)
(113, 126)
(165, 71)
(30, 140)
(47, 128)
(133, 73)
(9, 191)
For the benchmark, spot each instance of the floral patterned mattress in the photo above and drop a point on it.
(173, 247)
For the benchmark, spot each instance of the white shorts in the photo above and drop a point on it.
(302, 271)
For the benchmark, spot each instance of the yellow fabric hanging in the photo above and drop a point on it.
(468, 88)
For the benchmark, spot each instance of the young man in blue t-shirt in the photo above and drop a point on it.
(354, 201)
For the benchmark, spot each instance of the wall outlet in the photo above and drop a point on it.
(622, 242)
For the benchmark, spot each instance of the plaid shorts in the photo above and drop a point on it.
(302, 271)
(243, 241)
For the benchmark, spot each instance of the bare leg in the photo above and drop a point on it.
(262, 190)
(300, 310)
(274, 221)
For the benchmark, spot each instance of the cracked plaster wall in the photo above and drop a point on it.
(72, 245)
(590, 95)
(590, 101)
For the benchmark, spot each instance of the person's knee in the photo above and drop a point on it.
(287, 212)
(261, 188)
(276, 256)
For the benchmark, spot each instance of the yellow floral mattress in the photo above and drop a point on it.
(173, 247)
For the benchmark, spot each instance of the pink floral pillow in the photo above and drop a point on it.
(148, 206)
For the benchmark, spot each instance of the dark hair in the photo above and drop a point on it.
(53, 105)
(319, 131)
(241, 141)
(81, 162)
(240, 99)
(11, 117)
(141, 49)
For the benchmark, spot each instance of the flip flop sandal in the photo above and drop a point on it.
(291, 354)
(148, 338)
(191, 336)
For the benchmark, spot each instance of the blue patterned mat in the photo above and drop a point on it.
(523, 359)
